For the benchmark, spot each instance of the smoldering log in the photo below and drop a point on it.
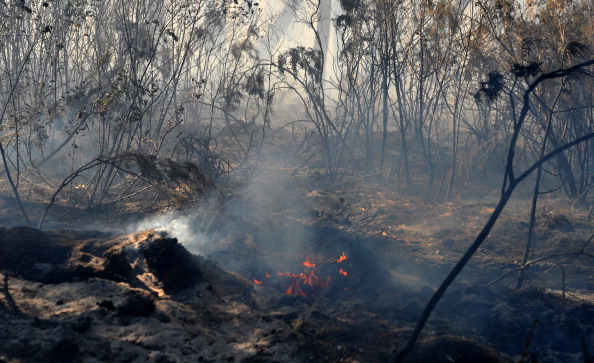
(141, 259)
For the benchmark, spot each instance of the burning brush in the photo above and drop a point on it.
(311, 280)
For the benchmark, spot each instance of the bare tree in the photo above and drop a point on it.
(510, 182)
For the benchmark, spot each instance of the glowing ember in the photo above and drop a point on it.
(288, 274)
(343, 272)
(342, 257)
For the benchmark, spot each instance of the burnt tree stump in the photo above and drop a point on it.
(147, 259)
(171, 263)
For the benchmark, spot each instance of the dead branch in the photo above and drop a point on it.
(9, 300)
(64, 184)
(545, 258)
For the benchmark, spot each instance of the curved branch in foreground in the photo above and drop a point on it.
(13, 185)
(505, 196)
(66, 182)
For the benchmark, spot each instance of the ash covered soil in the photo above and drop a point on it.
(125, 296)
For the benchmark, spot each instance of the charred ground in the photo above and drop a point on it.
(402, 244)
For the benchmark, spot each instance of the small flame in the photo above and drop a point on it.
(295, 289)
(261, 282)
(317, 282)
(307, 263)
(307, 282)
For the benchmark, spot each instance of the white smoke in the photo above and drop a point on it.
(181, 226)
(270, 210)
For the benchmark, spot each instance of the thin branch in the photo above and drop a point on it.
(9, 300)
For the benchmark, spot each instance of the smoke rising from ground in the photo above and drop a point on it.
(269, 210)
(179, 226)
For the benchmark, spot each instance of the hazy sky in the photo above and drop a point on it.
(292, 30)
(295, 33)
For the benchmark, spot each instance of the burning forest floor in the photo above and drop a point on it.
(284, 273)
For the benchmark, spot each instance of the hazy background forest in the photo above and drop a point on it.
(106, 102)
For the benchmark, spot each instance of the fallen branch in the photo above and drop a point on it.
(545, 258)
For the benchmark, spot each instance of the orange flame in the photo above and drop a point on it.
(306, 283)
(307, 263)
(310, 280)
(261, 282)
(317, 282)
(295, 289)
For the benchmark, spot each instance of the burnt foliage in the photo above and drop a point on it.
(179, 180)
(490, 89)
(350, 5)
(254, 84)
(304, 59)
(576, 51)
(343, 21)
(526, 71)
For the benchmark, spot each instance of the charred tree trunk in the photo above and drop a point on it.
(566, 171)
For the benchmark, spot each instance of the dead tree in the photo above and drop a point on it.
(510, 182)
